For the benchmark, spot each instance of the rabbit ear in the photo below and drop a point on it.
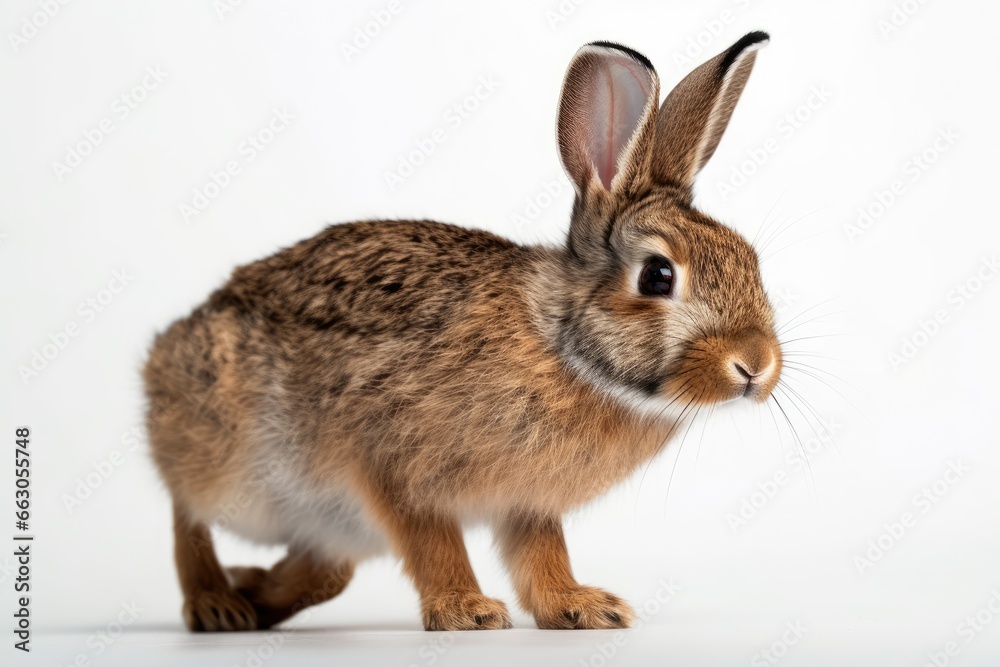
(696, 112)
(607, 116)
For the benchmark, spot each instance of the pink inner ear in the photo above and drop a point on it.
(620, 92)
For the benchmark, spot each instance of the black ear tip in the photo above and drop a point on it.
(631, 53)
(741, 45)
(754, 37)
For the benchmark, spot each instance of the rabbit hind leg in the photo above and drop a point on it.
(298, 581)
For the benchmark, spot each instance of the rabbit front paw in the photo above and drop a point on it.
(584, 608)
(464, 611)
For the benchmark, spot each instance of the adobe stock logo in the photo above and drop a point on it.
(225, 7)
(915, 167)
(562, 12)
(794, 631)
(606, 651)
(699, 44)
(249, 148)
(121, 108)
(785, 129)
(549, 192)
(957, 298)
(87, 310)
(103, 469)
(968, 629)
(365, 34)
(923, 501)
(752, 504)
(31, 25)
(455, 116)
(900, 15)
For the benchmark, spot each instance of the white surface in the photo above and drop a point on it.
(734, 641)
(887, 98)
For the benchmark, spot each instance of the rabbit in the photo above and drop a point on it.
(375, 388)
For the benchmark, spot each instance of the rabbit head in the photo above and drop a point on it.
(661, 304)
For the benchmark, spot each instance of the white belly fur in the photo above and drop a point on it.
(280, 509)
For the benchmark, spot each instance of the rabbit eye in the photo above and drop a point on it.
(657, 277)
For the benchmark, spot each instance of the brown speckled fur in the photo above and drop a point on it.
(441, 374)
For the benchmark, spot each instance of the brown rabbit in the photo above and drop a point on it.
(372, 388)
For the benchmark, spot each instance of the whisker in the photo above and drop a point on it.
(776, 231)
(793, 353)
(680, 394)
(704, 427)
(777, 430)
(766, 216)
(796, 340)
(787, 226)
(803, 367)
(791, 222)
(785, 247)
(829, 386)
(811, 482)
(815, 320)
(680, 448)
(795, 398)
(810, 309)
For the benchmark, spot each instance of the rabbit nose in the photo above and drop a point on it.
(753, 361)
(752, 377)
(741, 368)
(746, 373)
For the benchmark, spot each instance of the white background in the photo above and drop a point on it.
(865, 102)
